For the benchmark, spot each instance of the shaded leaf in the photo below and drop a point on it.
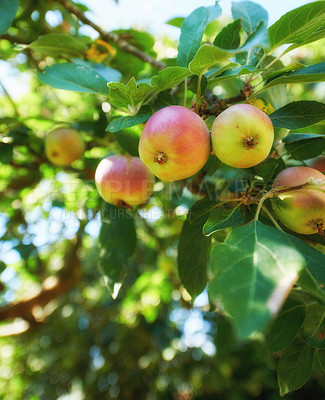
(8, 9)
(295, 366)
(285, 328)
(233, 72)
(321, 359)
(199, 212)
(229, 36)
(129, 141)
(221, 218)
(117, 240)
(313, 332)
(258, 38)
(269, 169)
(121, 123)
(313, 73)
(6, 153)
(193, 252)
(298, 114)
(60, 45)
(303, 146)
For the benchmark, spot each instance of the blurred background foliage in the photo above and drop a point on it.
(71, 340)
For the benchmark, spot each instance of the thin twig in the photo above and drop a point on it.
(112, 37)
(10, 99)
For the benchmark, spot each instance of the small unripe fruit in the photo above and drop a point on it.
(175, 143)
(63, 146)
(301, 210)
(123, 180)
(242, 136)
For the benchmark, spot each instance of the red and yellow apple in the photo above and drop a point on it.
(175, 143)
(242, 136)
(303, 209)
(63, 146)
(318, 163)
(123, 180)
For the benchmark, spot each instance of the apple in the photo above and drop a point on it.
(63, 146)
(301, 210)
(123, 180)
(175, 143)
(242, 136)
(318, 163)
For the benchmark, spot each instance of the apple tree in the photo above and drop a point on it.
(102, 277)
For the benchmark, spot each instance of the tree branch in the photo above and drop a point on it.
(217, 106)
(62, 284)
(112, 37)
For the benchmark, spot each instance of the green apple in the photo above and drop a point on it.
(242, 136)
(302, 210)
(63, 146)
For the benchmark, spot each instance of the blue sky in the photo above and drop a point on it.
(152, 14)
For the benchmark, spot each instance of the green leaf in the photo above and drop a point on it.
(129, 140)
(312, 278)
(214, 72)
(192, 32)
(199, 212)
(313, 332)
(60, 45)
(297, 25)
(6, 153)
(221, 218)
(298, 114)
(206, 56)
(108, 73)
(177, 22)
(268, 76)
(321, 359)
(258, 38)
(128, 97)
(285, 328)
(313, 73)
(252, 273)
(70, 76)
(8, 9)
(303, 146)
(231, 73)
(252, 14)
(229, 36)
(169, 77)
(193, 254)
(120, 123)
(295, 366)
(269, 168)
(195, 81)
(117, 240)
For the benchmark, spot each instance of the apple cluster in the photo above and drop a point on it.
(176, 143)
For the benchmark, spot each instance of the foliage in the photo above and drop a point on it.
(199, 293)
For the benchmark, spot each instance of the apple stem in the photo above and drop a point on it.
(271, 217)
